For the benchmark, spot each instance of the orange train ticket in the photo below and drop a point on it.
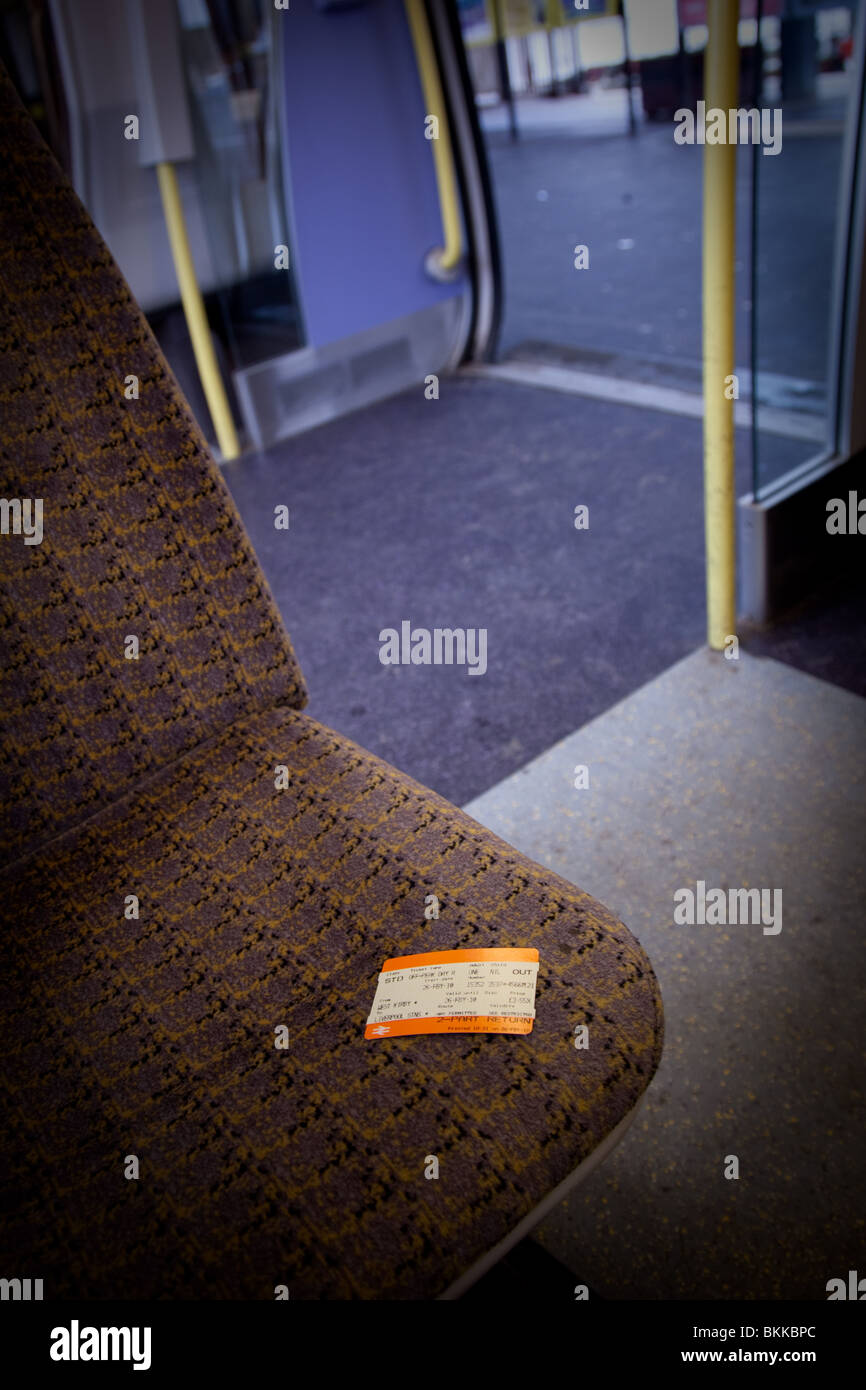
(486, 990)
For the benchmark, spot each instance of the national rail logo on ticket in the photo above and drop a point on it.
(488, 990)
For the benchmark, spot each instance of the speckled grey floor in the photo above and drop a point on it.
(459, 513)
(747, 774)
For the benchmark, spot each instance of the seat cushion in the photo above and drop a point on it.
(259, 907)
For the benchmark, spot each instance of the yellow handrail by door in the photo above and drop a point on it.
(721, 81)
(196, 318)
(443, 262)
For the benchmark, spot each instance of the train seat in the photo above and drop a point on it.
(189, 1107)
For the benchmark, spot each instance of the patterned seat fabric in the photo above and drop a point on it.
(141, 537)
(154, 1035)
(259, 908)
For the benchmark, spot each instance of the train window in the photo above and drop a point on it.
(229, 60)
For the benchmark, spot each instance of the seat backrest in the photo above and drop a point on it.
(139, 536)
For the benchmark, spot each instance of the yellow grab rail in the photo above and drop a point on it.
(196, 318)
(442, 263)
(721, 79)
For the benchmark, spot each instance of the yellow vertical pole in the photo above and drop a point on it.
(196, 318)
(447, 259)
(721, 86)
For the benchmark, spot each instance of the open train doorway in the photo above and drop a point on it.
(599, 204)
